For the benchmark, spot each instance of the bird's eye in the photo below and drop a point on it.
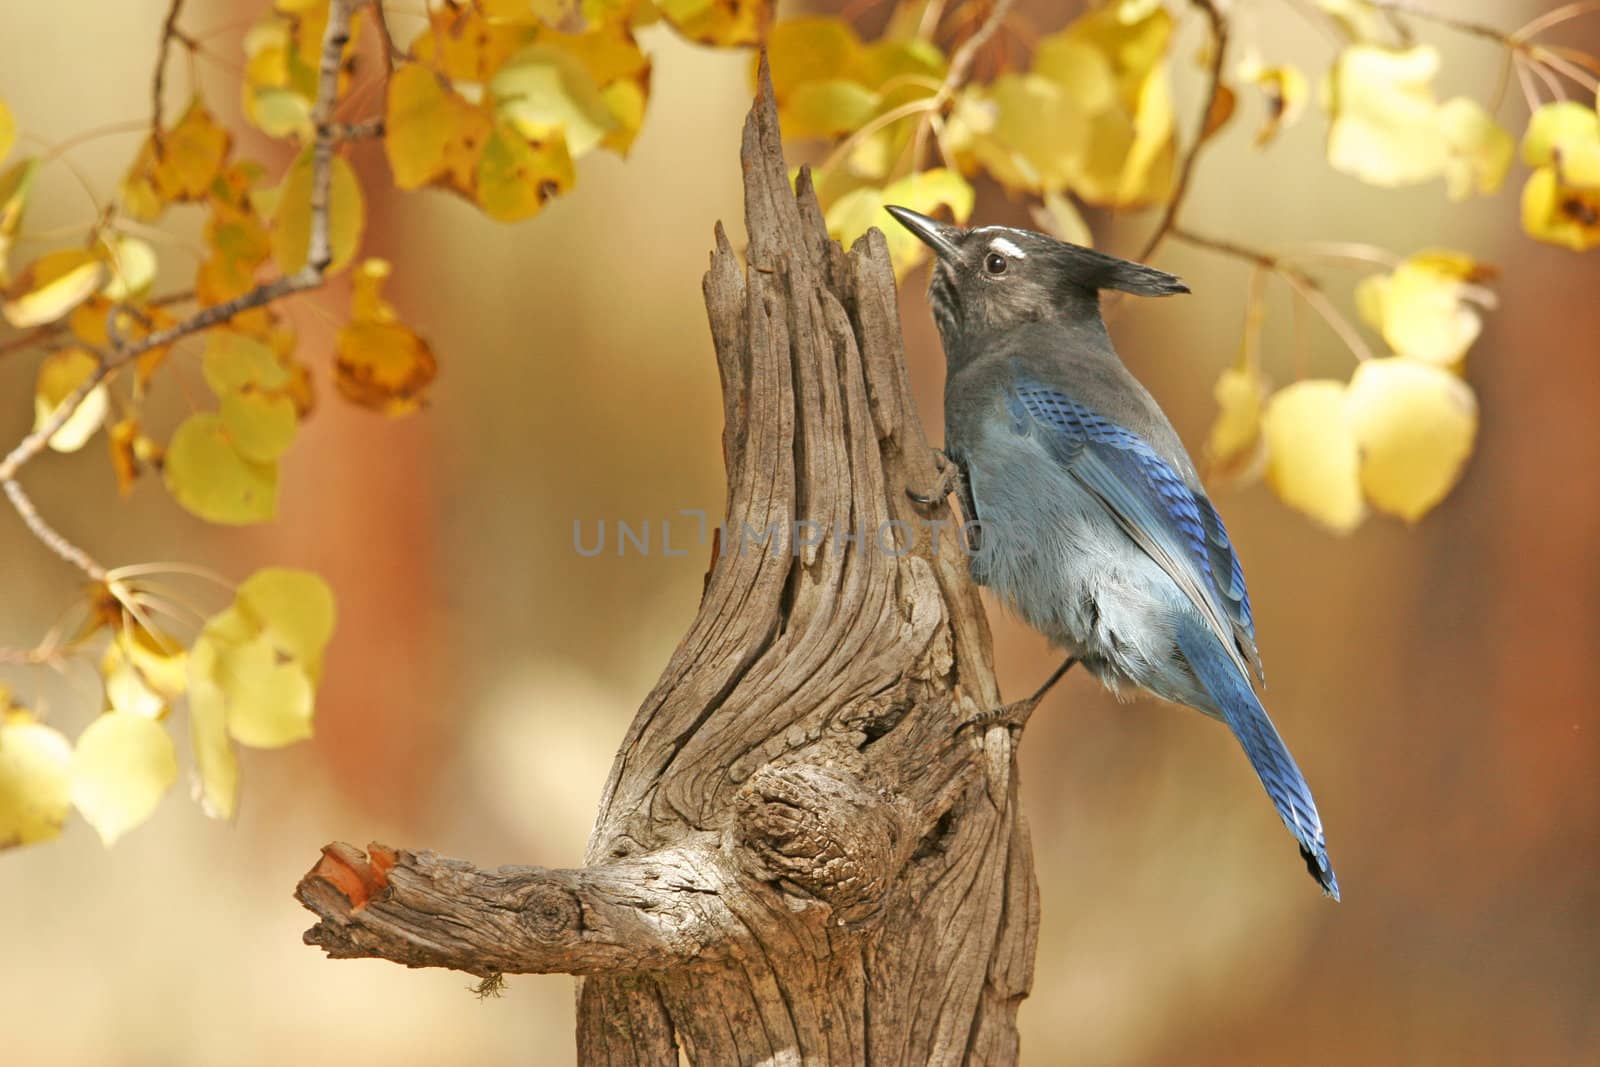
(994, 263)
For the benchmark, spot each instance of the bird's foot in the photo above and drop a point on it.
(1015, 714)
(949, 481)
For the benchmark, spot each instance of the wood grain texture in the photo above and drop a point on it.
(803, 855)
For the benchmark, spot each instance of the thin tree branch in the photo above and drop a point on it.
(1304, 286)
(42, 334)
(1219, 49)
(169, 33)
(960, 66)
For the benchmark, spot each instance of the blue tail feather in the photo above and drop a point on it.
(1248, 720)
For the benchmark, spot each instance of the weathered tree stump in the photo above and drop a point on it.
(803, 855)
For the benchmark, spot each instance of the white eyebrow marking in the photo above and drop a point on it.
(1003, 244)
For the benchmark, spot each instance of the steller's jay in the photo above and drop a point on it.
(1092, 523)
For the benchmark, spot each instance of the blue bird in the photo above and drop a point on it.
(1091, 521)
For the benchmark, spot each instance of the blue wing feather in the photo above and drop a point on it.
(1176, 524)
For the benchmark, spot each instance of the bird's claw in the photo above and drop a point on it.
(949, 481)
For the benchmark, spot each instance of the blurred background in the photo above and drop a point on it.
(1438, 684)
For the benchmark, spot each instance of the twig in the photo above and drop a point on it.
(319, 255)
(1303, 285)
(169, 33)
(960, 65)
(1219, 42)
(1428, 14)
(1554, 18)
(41, 334)
(391, 51)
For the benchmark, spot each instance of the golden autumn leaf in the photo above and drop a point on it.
(1285, 92)
(812, 48)
(51, 286)
(367, 302)
(718, 22)
(1235, 449)
(927, 191)
(468, 42)
(1427, 308)
(234, 361)
(517, 176)
(255, 666)
(432, 134)
(216, 785)
(131, 264)
(190, 154)
(1385, 127)
(123, 765)
(210, 477)
(1561, 201)
(60, 375)
(127, 690)
(1415, 424)
(8, 130)
(35, 778)
(1313, 460)
(383, 366)
(15, 185)
(120, 438)
(260, 426)
(546, 93)
(291, 218)
(1479, 151)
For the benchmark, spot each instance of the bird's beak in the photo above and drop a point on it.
(936, 235)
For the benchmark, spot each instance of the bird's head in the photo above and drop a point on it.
(994, 277)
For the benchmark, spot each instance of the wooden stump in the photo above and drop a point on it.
(803, 855)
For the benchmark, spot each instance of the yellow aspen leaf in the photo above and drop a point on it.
(1147, 172)
(8, 130)
(1565, 134)
(216, 785)
(613, 59)
(469, 42)
(1561, 201)
(295, 611)
(1415, 424)
(1427, 308)
(15, 184)
(1235, 449)
(431, 132)
(141, 197)
(626, 99)
(1285, 91)
(1560, 214)
(159, 658)
(125, 463)
(121, 768)
(1386, 128)
(383, 366)
(718, 22)
(1028, 133)
(60, 375)
(545, 92)
(1082, 71)
(35, 778)
(269, 704)
(927, 191)
(126, 687)
(1313, 462)
(1480, 152)
(825, 109)
(131, 263)
(260, 426)
(517, 176)
(188, 156)
(367, 303)
(51, 286)
(291, 219)
(208, 476)
(810, 49)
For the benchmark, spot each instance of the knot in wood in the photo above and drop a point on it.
(550, 913)
(817, 830)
